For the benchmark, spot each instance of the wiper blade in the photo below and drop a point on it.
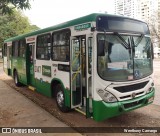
(139, 39)
(148, 43)
(124, 43)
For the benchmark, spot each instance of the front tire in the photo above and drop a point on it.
(60, 99)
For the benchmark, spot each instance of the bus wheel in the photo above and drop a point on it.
(60, 98)
(16, 80)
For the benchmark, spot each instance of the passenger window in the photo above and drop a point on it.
(15, 49)
(60, 50)
(22, 48)
(5, 50)
(43, 47)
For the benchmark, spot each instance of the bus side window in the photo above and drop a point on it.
(22, 48)
(43, 47)
(15, 51)
(60, 50)
(4, 52)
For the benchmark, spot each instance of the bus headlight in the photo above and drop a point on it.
(149, 90)
(106, 96)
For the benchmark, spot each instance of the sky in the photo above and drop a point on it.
(45, 13)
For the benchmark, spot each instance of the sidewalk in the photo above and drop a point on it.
(18, 111)
(1, 60)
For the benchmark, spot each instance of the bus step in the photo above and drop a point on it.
(81, 110)
(31, 88)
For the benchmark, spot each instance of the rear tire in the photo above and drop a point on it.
(60, 98)
(16, 79)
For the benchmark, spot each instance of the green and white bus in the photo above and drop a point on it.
(100, 64)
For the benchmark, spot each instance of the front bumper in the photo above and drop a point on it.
(103, 110)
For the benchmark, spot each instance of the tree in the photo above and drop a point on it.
(34, 27)
(14, 25)
(7, 6)
(154, 25)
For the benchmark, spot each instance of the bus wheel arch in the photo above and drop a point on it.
(54, 83)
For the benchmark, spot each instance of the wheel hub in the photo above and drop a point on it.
(60, 98)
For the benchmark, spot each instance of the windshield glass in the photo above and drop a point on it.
(124, 57)
(142, 56)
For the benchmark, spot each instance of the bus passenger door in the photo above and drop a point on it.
(76, 76)
(89, 75)
(31, 79)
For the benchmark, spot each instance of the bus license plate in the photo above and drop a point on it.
(150, 99)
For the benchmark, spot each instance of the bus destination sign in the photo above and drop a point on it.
(82, 27)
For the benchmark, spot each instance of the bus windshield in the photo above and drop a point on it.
(124, 57)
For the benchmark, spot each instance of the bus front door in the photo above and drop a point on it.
(76, 75)
(81, 73)
(31, 79)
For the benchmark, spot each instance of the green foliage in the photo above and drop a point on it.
(7, 6)
(14, 25)
(34, 27)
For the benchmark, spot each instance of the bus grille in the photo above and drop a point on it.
(128, 96)
(129, 105)
(129, 88)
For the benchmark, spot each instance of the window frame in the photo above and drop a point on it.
(60, 32)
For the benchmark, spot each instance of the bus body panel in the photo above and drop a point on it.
(43, 87)
(19, 64)
(45, 72)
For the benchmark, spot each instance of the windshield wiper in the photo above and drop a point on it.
(124, 43)
(148, 43)
(137, 42)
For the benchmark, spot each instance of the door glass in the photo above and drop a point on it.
(76, 88)
(31, 52)
(76, 73)
(89, 55)
(75, 55)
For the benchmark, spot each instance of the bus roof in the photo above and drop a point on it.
(81, 20)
